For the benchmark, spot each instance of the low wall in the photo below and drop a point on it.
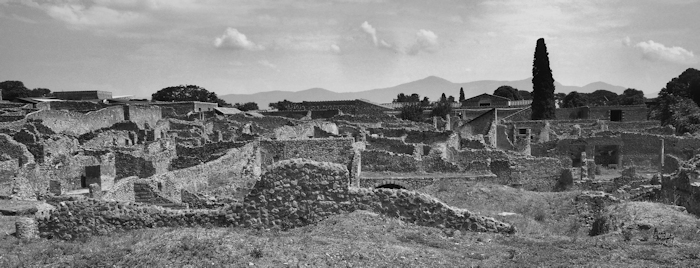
(336, 150)
(395, 145)
(75, 123)
(293, 193)
(383, 161)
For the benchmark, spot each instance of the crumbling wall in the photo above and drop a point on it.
(191, 156)
(292, 193)
(534, 173)
(145, 116)
(145, 160)
(12, 149)
(336, 150)
(682, 189)
(75, 123)
(383, 161)
(395, 145)
(238, 168)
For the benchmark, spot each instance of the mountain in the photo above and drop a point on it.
(431, 87)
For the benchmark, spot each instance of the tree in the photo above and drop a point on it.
(631, 96)
(413, 112)
(442, 108)
(675, 103)
(602, 97)
(248, 106)
(187, 93)
(508, 92)
(461, 95)
(526, 95)
(281, 105)
(425, 102)
(12, 90)
(451, 99)
(574, 99)
(403, 98)
(542, 84)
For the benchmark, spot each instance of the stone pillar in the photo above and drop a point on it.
(584, 166)
(26, 228)
(663, 162)
(448, 125)
(435, 123)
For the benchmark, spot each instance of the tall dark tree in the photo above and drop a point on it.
(425, 102)
(542, 84)
(686, 85)
(674, 102)
(450, 99)
(187, 93)
(574, 99)
(442, 108)
(631, 96)
(508, 92)
(461, 95)
(443, 98)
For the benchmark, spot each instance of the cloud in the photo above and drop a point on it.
(233, 39)
(267, 63)
(659, 52)
(627, 41)
(335, 48)
(371, 31)
(425, 41)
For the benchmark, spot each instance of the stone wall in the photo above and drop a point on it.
(682, 189)
(191, 156)
(395, 145)
(75, 123)
(145, 116)
(336, 150)
(145, 160)
(383, 161)
(292, 193)
(238, 168)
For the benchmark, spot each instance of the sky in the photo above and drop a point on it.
(133, 47)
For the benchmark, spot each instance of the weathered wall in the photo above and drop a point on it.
(191, 156)
(145, 160)
(395, 145)
(238, 168)
(682, 189)
(144, 115)
(75, 123)
(336, 150)
(383, 161)
(292, 193)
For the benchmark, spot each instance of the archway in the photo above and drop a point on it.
(390, 186)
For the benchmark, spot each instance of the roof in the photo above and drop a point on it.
(224, 110)
(37, 100)
(487, 95)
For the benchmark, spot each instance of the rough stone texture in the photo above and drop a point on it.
(75, 123)
(682, 189)
(590, 204)
(382, 161)
(292, 193)
(191, 156)
(394, 145)
(336, 150)
(145, 160)
(305, 131)
(26, 228)
(239, 167)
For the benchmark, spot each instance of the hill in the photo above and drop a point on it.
(431, 86)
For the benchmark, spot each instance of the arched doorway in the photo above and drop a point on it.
(390, 186)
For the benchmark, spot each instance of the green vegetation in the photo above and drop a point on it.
(677, 103)
(508, 92)
(413, 112)
(603, 97)
(188, 93)
(12, 90)
(248, 106)
(542, 84)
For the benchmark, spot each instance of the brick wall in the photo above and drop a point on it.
(336, 150)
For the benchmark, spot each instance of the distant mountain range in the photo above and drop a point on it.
(431, 87)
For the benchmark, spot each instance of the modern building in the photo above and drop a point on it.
(83, 95)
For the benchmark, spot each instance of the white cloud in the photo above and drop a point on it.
(335, 48)
(627, 41)
(233, 39)
(79, 16)
(367, 28)
(656, 51)
(425, 41)
(268, 64)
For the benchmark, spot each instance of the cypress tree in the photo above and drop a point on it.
(461, 95)
(542, 84)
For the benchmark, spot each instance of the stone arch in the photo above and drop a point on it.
(390, 186)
